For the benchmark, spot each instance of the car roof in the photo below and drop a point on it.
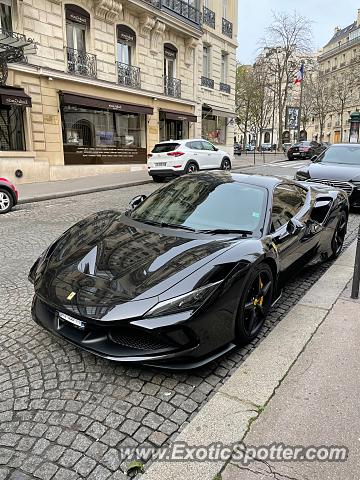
(184, 140)
(356, 145)
(265, 181)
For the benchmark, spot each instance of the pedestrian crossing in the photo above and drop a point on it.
(290, 164)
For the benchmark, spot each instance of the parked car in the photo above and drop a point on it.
(266, 147)
(338, 166)
(237, 148)
(249, 147)
(175, 158)
(8, 196)
(305, 150)
(188, 273)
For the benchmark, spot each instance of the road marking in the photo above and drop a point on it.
(288, 165)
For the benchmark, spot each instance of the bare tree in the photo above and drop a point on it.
(322, 92)
(244, 93)
(287, 40)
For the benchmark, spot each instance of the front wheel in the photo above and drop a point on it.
(226, 164)
(255, 304)
(6, 201)
(338, 239)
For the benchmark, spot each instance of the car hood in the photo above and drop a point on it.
(334, 171)
(108, 259)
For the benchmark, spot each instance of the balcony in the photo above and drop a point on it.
(338, 49)
(207, 82)
(172, 87)
(178, 8)
(227, 28)
(81, 63)
(209, 17)
(128, 76)
(224, 87)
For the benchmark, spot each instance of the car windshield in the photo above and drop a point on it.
(206, 202)
(348, 155)
(165, 147)
(302, 144)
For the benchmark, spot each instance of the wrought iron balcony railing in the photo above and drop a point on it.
(81, 63)
(227, 28)
(128, 75)
(207, 82)
(339, 48)
(180, 8)
(209, 17)
(224, 87)
(172, 87)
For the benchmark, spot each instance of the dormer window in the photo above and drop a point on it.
(5, 14)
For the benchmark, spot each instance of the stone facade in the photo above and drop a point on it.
(47, 73)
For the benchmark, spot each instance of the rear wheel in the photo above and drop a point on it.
(226, 164)
(339, 236)
(254, 304)
(6, 201)
(158, 179)
(191, 168)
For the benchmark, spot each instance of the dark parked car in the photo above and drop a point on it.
(305, 150)
(237, 148)
(190, 272)
(338, 166)
(8, 196)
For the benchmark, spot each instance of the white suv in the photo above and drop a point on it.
(177, 157)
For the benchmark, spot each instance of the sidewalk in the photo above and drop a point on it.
(300, 386)
(35, 192)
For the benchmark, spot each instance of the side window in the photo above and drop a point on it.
(194, 145)
(287, 201)
(207, 146)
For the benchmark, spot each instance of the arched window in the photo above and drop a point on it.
(5, 15)
(170, 55)
(267, 137)
(77, 22)
(126, 42)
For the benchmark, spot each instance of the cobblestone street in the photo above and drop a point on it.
(64, 413)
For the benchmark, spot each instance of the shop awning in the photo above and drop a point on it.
(176, 115)
(14, 96)
(68, 98)
(217, 112)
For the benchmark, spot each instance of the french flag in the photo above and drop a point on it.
(300, 75)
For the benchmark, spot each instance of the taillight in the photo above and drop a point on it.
(149, 155)
(175, 154)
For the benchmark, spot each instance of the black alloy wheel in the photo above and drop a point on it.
(255, 304)
(191, 168)
(339, 235)
(226, 164)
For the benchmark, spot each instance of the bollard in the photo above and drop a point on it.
(356, 277)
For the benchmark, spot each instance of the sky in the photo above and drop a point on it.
(256, 15)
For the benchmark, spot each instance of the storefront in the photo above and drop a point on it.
(174, 125)
(13, 102)
(100, 131)
(215, 123)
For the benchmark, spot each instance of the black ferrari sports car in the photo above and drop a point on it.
(338, 166)
(187, 273)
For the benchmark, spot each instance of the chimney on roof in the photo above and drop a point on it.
(358, 18)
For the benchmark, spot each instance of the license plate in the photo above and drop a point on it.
(296, 153)
(74, 321)
(160, 164)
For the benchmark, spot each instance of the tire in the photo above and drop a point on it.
(254, 304)
(191, 168)
(338, 239)
(226, 164)
(6, 201)
(158, 179)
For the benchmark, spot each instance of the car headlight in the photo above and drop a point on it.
(188, 301)
(302, 176)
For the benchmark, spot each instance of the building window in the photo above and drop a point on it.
(206, 61)
(126, 41)
(224, 67)
(170, 54)
(5, 13)
(214, 129)
(225, 8)
(12, 128)
(77, 23)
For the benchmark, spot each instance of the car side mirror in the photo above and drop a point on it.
(136, 201)
(293, 226)
(314, 158)
(216, 149)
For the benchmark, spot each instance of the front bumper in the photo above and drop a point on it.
(172, 341)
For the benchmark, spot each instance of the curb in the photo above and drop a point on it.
(74, 193)
(227, 417)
